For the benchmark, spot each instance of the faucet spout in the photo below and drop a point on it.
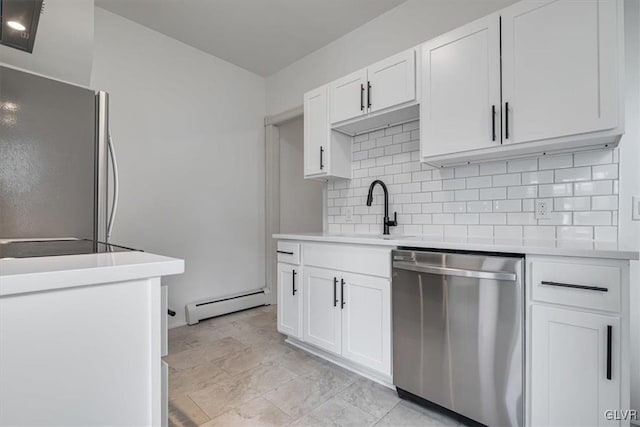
(386, 222)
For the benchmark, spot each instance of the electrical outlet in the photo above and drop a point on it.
(542, 209)
(635, 211)
(348, 214)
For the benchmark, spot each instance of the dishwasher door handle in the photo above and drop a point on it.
(448, 271)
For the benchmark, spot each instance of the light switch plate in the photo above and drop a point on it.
(635, 210)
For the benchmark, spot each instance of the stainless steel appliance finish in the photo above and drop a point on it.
(458, 327)
(53, 158)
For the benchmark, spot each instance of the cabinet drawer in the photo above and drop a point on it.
(289, 252)
(373, 261)
(579, 283)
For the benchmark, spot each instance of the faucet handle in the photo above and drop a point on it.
(395, 220)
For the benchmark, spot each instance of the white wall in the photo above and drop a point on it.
(64, 43)
(630, 182)
(188, 129)
(300, 199)
(405, 26)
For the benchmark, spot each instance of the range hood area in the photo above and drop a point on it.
(19, 23)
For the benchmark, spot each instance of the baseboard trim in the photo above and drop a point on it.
(381, 379)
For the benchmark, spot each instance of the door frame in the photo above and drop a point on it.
(272, 195)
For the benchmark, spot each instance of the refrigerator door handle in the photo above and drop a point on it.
(114, 204)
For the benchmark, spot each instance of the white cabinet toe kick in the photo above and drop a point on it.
(334, 301)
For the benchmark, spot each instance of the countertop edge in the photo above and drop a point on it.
(76, 271)
(469, 246)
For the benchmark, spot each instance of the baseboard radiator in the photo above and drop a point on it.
(204, 309)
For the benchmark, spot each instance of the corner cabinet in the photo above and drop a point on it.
(326, 153)
(501, 86)
(346, 313)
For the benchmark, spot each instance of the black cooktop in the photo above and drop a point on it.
(42, 248)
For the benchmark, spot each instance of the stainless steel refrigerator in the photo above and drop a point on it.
(56, 159)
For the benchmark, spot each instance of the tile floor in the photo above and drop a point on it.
(236, 370)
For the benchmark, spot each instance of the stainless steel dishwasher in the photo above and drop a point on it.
(458, 333)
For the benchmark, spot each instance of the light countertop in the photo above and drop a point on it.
(23, 275)
(574, 248)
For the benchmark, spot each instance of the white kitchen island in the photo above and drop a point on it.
(80, 339)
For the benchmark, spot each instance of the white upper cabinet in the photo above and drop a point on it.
(316, 131)
(560, 64)
(348, 96)
(391, 81)
(381, 86)
(460, 100)
(327, 154)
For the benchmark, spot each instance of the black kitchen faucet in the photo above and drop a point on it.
(387, 222)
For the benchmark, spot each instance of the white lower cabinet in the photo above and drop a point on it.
(366, 321)
(575, 367)
(322, 317)
(290, 300)
(349, 315)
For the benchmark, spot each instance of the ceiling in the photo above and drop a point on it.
(262, 36)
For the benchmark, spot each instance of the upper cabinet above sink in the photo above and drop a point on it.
(385, 84)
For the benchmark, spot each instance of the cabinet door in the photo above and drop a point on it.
(347, 96)
(289, 300)
(460, 103)
(366, 321)
(316, 132)
(560, 68)
(392, 81)
(570, 356)
(322, 321)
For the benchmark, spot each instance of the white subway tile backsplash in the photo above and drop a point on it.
(466, 171)
(454, 207)
(507, 206)
(493, 193)
(592, 218)
(523, 192)
(555, 190)
(493, 168)
(480, 206)
(606, 234)
(464, 195)
(593, 188)
(573, 174)
(588, 158)
(555, 162)
(453, 184)
(575, 233)
(604, 203)
(540, 177)
(522, 165)
(480, 231)
(605, 171)
(495, 199)
(479, 182)
(507, 179)
(521, 218)
(508, 231)
(572, 204)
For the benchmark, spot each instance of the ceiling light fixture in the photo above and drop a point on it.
(16, 25)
